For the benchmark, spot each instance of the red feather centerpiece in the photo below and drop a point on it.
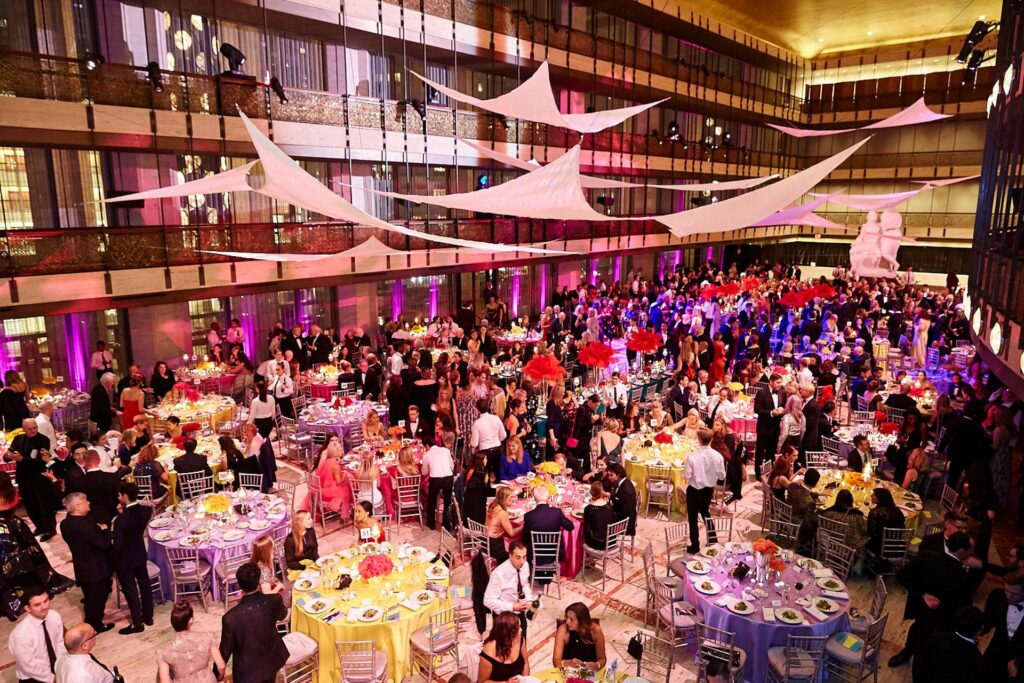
(544, 369)
(751, 284)
(643, 341)
(596, 355)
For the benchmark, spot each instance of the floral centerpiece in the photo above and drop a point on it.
(396, 432)
(662, 438)
(374, 566)
(516, 329)
(764, 554)
(550, 468)
(542, 481)
(418, 329)
(50, 380)
(596, 355)
(217, 504)
(544, 368)
(185, 391)
(343, 402)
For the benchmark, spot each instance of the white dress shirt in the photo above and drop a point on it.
(1014, 615)
(28, 646)
(282, 386)
(503, 588)
(46, 429)
(81, 669)
(725, 409)
(260, 409)
(396, 363)
(488, 432)
(267, 368)
(615, 394)
(101, 360)
(437, 461)
(212, 339)
(235, 335)
(704, 468)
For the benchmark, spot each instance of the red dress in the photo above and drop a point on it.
(131, 409)
(717, 370)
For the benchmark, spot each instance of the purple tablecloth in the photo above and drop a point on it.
(210, 550)
(753, 633)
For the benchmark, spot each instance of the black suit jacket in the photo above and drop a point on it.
(901, 402)
(763, 407)
(74, 477)
(422, 431)
(322, 348)
(101, 490)
(812, 437)
(945, 657)
(964, 440)
(249, 635)
(1002, 648)
(938, 574)
(370, 384)
(624, 505)
(129, 531)
(544, 518)
(191, 463)
(101, 410)
(90, 548)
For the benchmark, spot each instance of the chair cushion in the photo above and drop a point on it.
(777, 661)
(672, 614)
(859, 624)
(845, 647)
(422, 641)
(188, 568)
(153, 569)
(661, 487)
(675, 584)
(380, 670)
(300, 647)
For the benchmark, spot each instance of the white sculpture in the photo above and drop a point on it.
(873, 252)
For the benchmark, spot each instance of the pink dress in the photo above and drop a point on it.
(337, 495)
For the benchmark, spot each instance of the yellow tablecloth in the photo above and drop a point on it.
(392, 637)
(637, 457)
(861, 490)
(554, 675)
(215, 408)
(172, 481)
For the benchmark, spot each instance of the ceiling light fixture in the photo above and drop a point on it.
(977, 34)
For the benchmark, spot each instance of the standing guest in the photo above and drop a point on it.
(725, 441)
(1004, 613)
(262, 410)
(398, 400)
(101, 361)
(803, 500)
(791, 430)
(583, 422)
(477, 491)
(598, 515)
(128, 555)
(30, 451)
(503, 655)
(318, 346)
(78, 664)
(952, 656)
(249, 635)
(90, 558)
(301, 543)
(509, 588)
(623, 496)
(544, 518)
(38, 639)
(213, 337)
(281, 388)
(235, 335)
(498, 526)
(964, 440)
(937, 587)
(101, 402)
(811, 440)
(134, 373)
(417, 429)
(769, 407)
(189, 658)
(579, 640)
(13, 401)
(44, 422)
(439, 465)
(556, 420)
(486, 435)
(101, 489)
(704, 468)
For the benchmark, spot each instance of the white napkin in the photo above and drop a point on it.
(836, 594)
(354, 614)
(412, 604)
(823, 573)
(815, 612)
(724, 601)
(769, 613)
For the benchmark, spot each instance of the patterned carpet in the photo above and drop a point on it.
(620, 608)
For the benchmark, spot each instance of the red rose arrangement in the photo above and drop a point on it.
(662, 438)
(372, 566)
(343, 402)
(776, 564)
(888, 428)
(186, 390)
(766, 547)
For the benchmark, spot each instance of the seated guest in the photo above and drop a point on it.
(373, 428)
(498, 526)
(172, 428)
(804, 502)
(516, 461)
(860, 454)
(918, 468)
(827, 421)
(301, 543)
(783, 472)
(406, 465)
(842, 510)
(368, 530)
(903, 400)
(579, 640)
(543, 518)
(149, 469)
(619, 487)
(721, 406)
(597, 516)
(235, 460)
(191, 656)
(883, 515)
(190, 461)
(503, 657)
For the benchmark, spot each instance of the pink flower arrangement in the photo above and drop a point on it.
(766, 547)
(186, 390)
(662, 438)
(343, 402)
(375, 565)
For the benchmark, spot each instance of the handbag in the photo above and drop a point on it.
(572, 441)
(635, 647)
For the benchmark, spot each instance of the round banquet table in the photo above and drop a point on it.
(832, 481)
(267, 510)
(753, 633)
(570, 499)
(339, 421)
(637, 457)
(507, 340)
(392, 632)
(210, 407)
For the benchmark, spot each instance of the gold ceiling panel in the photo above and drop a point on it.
(813, 27)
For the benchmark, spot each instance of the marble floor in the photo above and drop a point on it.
(620, 607)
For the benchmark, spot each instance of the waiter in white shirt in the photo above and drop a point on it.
(396, 363)
(615, 396)
(101, 361)
(78, 664)
(721, 406)
(213, 337)
(38, 639)
(281, 388)
(438, 465)
(267, 370)
(44, 421)
(704, 468)
(486, 435)
(509, 587)
(235, 336)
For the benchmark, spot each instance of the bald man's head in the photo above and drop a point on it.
(80, 639)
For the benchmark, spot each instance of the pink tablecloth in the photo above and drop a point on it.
(322, 391)
(571, 564)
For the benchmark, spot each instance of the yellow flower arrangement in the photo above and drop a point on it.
(40, 392)
(516, 329)
(540, 481)
(418, 329)
(736, 386)
(215, 504)
(204, 365)
(50, 380)
(550, 467)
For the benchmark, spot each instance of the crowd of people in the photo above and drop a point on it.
(805, 351)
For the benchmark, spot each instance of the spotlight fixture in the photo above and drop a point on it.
(977, 34)
(971, 69)
(502, 120)
(93, 61)
(482, 181)
(235, 57)
(156, 79)
(657, 136)
(673, 130)
(275, 85)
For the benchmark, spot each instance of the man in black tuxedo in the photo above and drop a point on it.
(964, 441)
(416, 427)
(623, 496)
(826, 420)
(101, 402)
(101, 489)
(30, 451)
(368, 379)
(318, 346)
(190, 461)
(1004, 614)
(542, 518)
(294, 342)
(937, 587)
(902, 401)
(249, 633)
(74, 468)
(769, 405)
(129, 557)
(952, 656)
(90, 558)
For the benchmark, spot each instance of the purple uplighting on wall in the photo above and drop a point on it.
(76, 346)
(6, 362)
(543, 271)
(516, 285)
(247, 315)
(435, 294)
(397, 298)
(592, 271)
(678, 259)
(711, 254)
(617, 269)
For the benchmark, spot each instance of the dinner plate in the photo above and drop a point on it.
(788, 615)
(707, 587)
(370, 548)
(825, 605)
(698, 567)
(741, 607)
(191, 541)
(437, 571)
(327, 561)
(317, 606)
(371, 613)
(578, 514)
(422, 597)
(830, 584)
(420, 554)
(736, 547)
(911, 505)
(258, 524)
(166, 535)
(161, 522)
(711, 550)
(234, 535)
(809, 563)
(306, 583)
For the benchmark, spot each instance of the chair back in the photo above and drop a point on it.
(658, 473)
(895, 414)
(895, 544)
(545, 551)
(447, 548)
(409, 491)
(879, 597)
(804, 657)
(863, 417)
(658, 658)
(784, 533)
(613, 541)
(194, 484)
(949, 498)
(817, 459)
(184, 564)
(832, 530)
(830, 445)
(873, 638)
(444, 627)
(722, 524)
(838, 558)
(714, 643)
(357, 659)
(781, 511)
(247, 480)
(677, 538)
(362, 489)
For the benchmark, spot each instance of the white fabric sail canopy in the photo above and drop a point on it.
(946, 181)
(233, 180)
(550, 192)
(801, 214)
(871, 202)
(741, 184)
(534, 100)
(586, 182)
(286, 181)
(916, 113)
(756, 205)
(370, 247)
